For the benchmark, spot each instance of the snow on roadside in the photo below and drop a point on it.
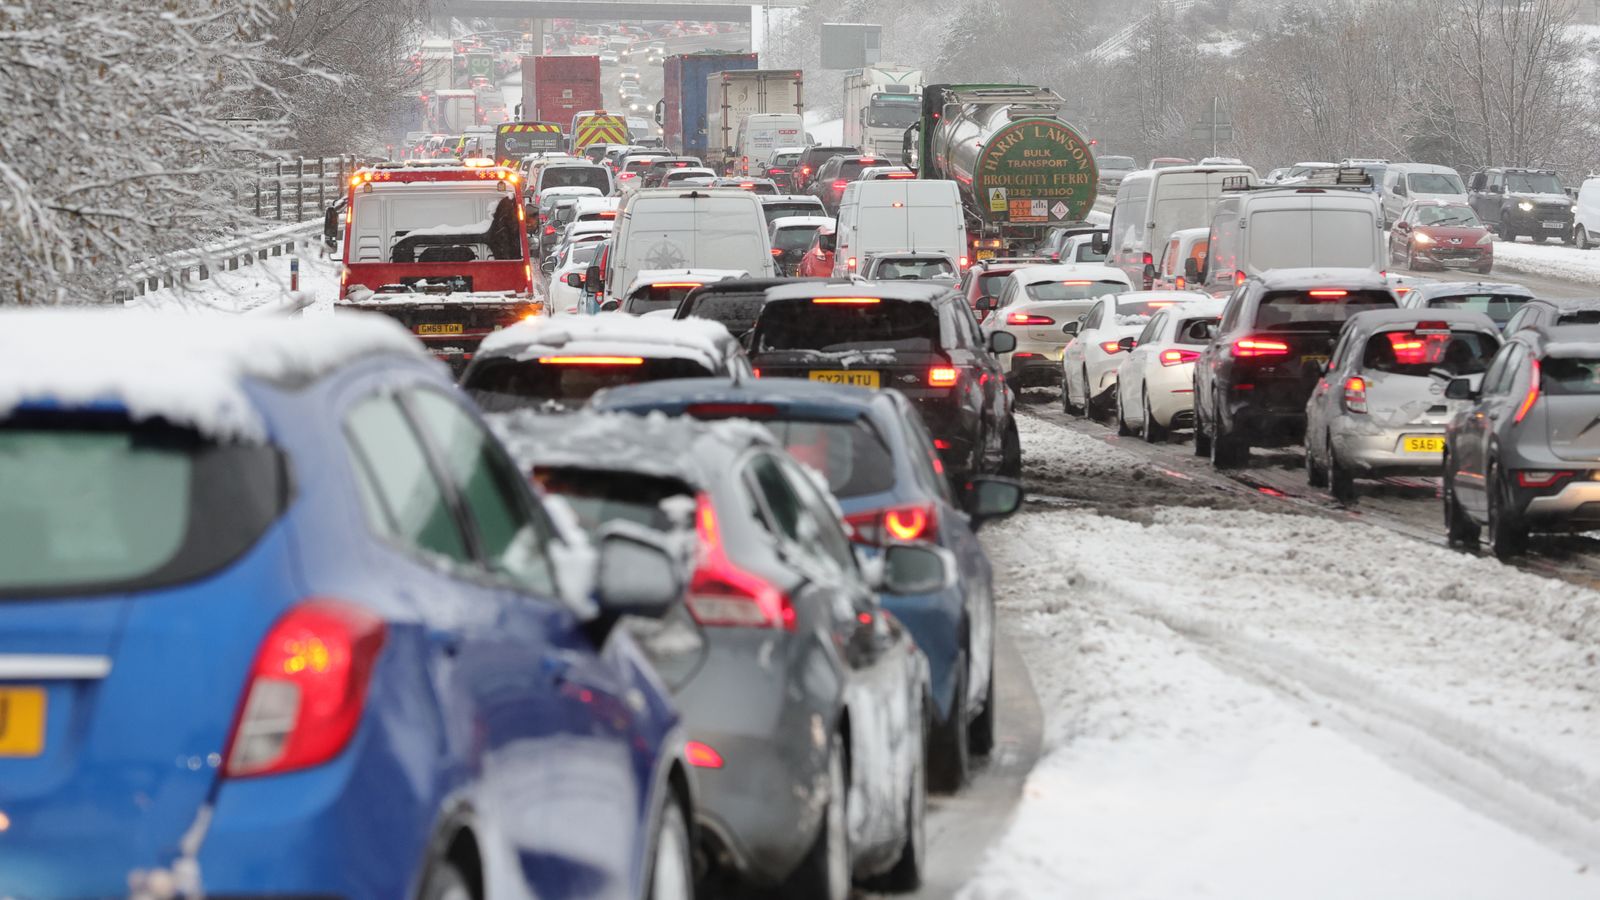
(1549, 261)
(1176, 660)
(251, 287)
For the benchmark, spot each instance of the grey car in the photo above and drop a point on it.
(1524, 455)
(1497, 300)
(805, 703)
(1549, 312)
(1379, 408)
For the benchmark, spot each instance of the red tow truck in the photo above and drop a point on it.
(442, 248)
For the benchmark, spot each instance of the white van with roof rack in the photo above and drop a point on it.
(1258, 229)
(1153, 203)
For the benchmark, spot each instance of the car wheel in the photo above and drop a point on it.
(1505, 231)
(1149, 429)
(1460, 530)
(825, 872)
(1411, 259)
(1087, 408)
(949, 752)
(906, 876)
(980, 734)
(1341, 481)
(445, 882)
(1122, 421)
(1011, 451)
(1581, 238)
(1508, 537)
(1316, 476)
(672, 868)
(1067, 406)
(1202, 438)
(1227, 451)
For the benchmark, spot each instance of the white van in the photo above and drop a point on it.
(760, 134)
(1292, 228)
(902, 216)
(1153, 203)
(699, 228)
(1586, 215)
(1405, 182)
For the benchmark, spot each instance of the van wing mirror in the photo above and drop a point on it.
(1100, 244)
(593, 278)
(1191, 270)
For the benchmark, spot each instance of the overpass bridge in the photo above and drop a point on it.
(616, 10)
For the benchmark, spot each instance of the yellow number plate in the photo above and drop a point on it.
(857, 379)
(1423, 444)
(985, 254)
(21, 721)
(439, 329)
(1319, 360)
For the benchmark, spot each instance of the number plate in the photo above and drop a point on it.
(1553, 226)
(452, 328)
(856, 379)
(985, 254)
(21, 721)
(1423, 444)
(1319, 360)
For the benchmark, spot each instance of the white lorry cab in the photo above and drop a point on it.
(1153, 203)
(898, 216)
(687, 228)
(880, 103)
(1306, 227)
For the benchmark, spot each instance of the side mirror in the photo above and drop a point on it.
(1149, 271)
(1497, 189)
(1126, 345)
(990, 498)
(1191, 270)
(1460, 389)
(548, 265)
(1002, 342)
(574, 279)
(986, 304)
(1071, 328)
(1100, 244)
(636, 575)
(593, 278)
(610, 306)
(916, 569)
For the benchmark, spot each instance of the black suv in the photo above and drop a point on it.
(1522, 201)
(1251, 383)
(811, 160)
(917, 337)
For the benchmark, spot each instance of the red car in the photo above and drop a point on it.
(818, 261)
(987, 275)
(1441, 234)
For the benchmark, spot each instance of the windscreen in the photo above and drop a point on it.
(1073, 289)
(1420, 351)
(1291, 309)
(850, 455)
(1457, 216)
(1570, 374)
(95, 509)
(780, 210)
(1532, 183)
(784, 159)
(1430, 183)
(1116, 162)
(1313, 238)
(575, 176)
(894, 111)
(736, 311)
(838, 327)
(463, 222)
(795, 238)
(501, 385)
(1499, 307)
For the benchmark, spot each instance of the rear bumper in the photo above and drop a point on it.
(1457, 258)
(1033, 369)
(1383, 452)
(1575, 507)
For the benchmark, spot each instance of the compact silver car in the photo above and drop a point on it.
(1523, 455)
(1379, 408)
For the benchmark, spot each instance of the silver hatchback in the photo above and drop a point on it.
(1379, 408)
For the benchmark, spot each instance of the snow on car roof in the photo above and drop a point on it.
(186, 369)
(1292, 279)
(703, 276)
(801, 221)
(1093, 272)
(611, 334)
(653, 444)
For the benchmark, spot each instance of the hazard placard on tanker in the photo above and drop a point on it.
(1036, 172)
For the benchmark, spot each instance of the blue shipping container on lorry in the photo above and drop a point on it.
(682, 111)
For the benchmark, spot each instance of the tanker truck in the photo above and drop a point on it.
(1019, 167)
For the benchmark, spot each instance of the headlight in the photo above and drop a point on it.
(1525, 206)
(1422, 238)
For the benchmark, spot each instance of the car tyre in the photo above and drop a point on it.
(1202, 438)
(1122, 421)
(672, 867)
(980, 734)
(1505, 231)
(1152, 432)
(1067, 406)
(1508, 536)
(1581, 238)
(1341, 481)
(1316, 476)
(950, 750)
(1011, 451)
(825, 873)
(1227, 451)
(445, 882)
(1460, 530)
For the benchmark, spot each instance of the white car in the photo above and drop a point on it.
(1587, 215)
(563, 298)
(655, 290)
(609, 58)
(1035, 304)
(597, 230)
(702, 177)
(1104, 334)
(1155, 383)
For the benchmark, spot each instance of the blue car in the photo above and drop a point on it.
(278, 617)
(883, 469)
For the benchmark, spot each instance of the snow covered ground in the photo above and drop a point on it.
(1249, 705)
(251, 287)
(1549, 260)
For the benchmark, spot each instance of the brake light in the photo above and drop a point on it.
(626, 175)
(1149, 260)
(845, 301)
(1329, 294)
(776, 252)
(1355, 394)
(592, 361)
(701, 756)
(721, 593)
(307, 689)
(850, 263)
(549, 229)
(1180, 283)
(964, 262)
(805, 170)
(1077, 283)
(1533, 478)
(1533, 394)
(1239, 277)
(777, 171)
(897, 523)
(943, 376)
(900, 175)
(1178, 357)
(839, 185)
(1021, 318)
(1246, 347)
(667, 285)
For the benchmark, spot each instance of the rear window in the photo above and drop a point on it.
(1499, 307)
(1580, 317)
(837, 327)
(652, 297)
(797, 238)
(1419, 352)
(1186, 333)
(913, 269)
(1086, 253)
(102, 506)
(600, 498)
(785, 159)
(737, 312)
(1289, 309)
(501, 385)
(1116, 162)
(575, 176)
(1429, 183)
(989, 284)
(1073, 289)
(850, 168)
(779, 210)
(850, 455)
(1570, 374)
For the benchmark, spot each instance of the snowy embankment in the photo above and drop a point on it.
(1549, 261)
(1250, 705)
(252, 287)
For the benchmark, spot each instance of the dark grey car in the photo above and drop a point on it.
(806, 705)
(1548, 312)
(1525, 455)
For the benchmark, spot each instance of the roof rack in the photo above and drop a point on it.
(1348, 178)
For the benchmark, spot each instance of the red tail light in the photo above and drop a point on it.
(1532, 478)
(897, 523)
(549, 229)
(1533, 394)
(1239, 277)
(777, 171)
(1355, 394)
(1178, 357)
(1149, 260)
(1248, 347)
(943, 376)
(1110, 346)
(776, 252)
(626, 175)
(702, 756)
(722, 594)
(307, 689)
(850, 263)
(805, 170)
(1019, 318)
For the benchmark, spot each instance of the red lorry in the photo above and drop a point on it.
(441, 249)
(556, 87)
